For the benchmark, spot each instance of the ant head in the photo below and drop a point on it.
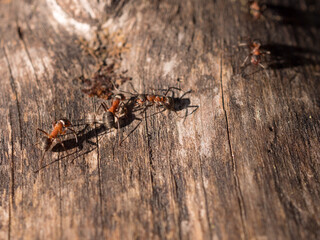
(45, 143)
(120, 96)
(254, 5)
(141, 99)
(65, 122)
(256, 43)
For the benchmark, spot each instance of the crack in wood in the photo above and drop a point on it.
(12, 164)
(151, 172)
(60, 199)
(234, 167)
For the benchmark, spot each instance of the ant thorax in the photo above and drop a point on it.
(64, 122)
(169, 103)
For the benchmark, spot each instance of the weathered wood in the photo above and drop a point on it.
(245, 165)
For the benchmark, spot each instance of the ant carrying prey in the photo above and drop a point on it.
(143, 101)
(59, 128)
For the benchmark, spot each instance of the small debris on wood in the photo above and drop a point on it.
(106, 49)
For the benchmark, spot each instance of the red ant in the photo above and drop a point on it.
(256, 10)
(107, 118)
(159, 100)
(146, 100)
(118, 109)
(255, 53)
(59, 127)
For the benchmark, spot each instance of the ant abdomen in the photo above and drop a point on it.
(45, 143)
(108, 119)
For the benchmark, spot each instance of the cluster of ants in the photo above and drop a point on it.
(121, 108)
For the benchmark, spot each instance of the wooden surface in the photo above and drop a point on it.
(245, 165)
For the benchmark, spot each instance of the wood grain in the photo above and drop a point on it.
(245, 165)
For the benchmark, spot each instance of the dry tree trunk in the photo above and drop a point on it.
(245, 165)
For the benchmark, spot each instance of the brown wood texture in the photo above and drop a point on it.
(245, 165)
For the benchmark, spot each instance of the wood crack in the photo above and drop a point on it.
(234, 166)
(27, 52)
(12, 163)
(151, 169)
(99, 179)
(60, 198)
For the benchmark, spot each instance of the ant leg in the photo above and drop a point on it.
(170, 90)
(104, 106)
(131, 131)
(185, 93)
(40, 130)
(264, 68)
(153, 114)
(40, 165)
(125, 91)
(75, 134)
(61, 143)
(118, 123)
(245, 61)
(134, 90)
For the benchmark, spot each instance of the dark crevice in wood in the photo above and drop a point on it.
(234, 167)
(151, 172)
(99, 178)
(175, 194)
(12, 164)
(60, 197)
(31, 62)
(14, 90)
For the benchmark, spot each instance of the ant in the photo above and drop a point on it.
(119, 109)
(143, 101)
(107, 118)
(59, 127)
(256, 10)
(255, 53)
(158, 100)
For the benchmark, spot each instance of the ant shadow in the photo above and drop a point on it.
(285, 56)
(293, 16)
